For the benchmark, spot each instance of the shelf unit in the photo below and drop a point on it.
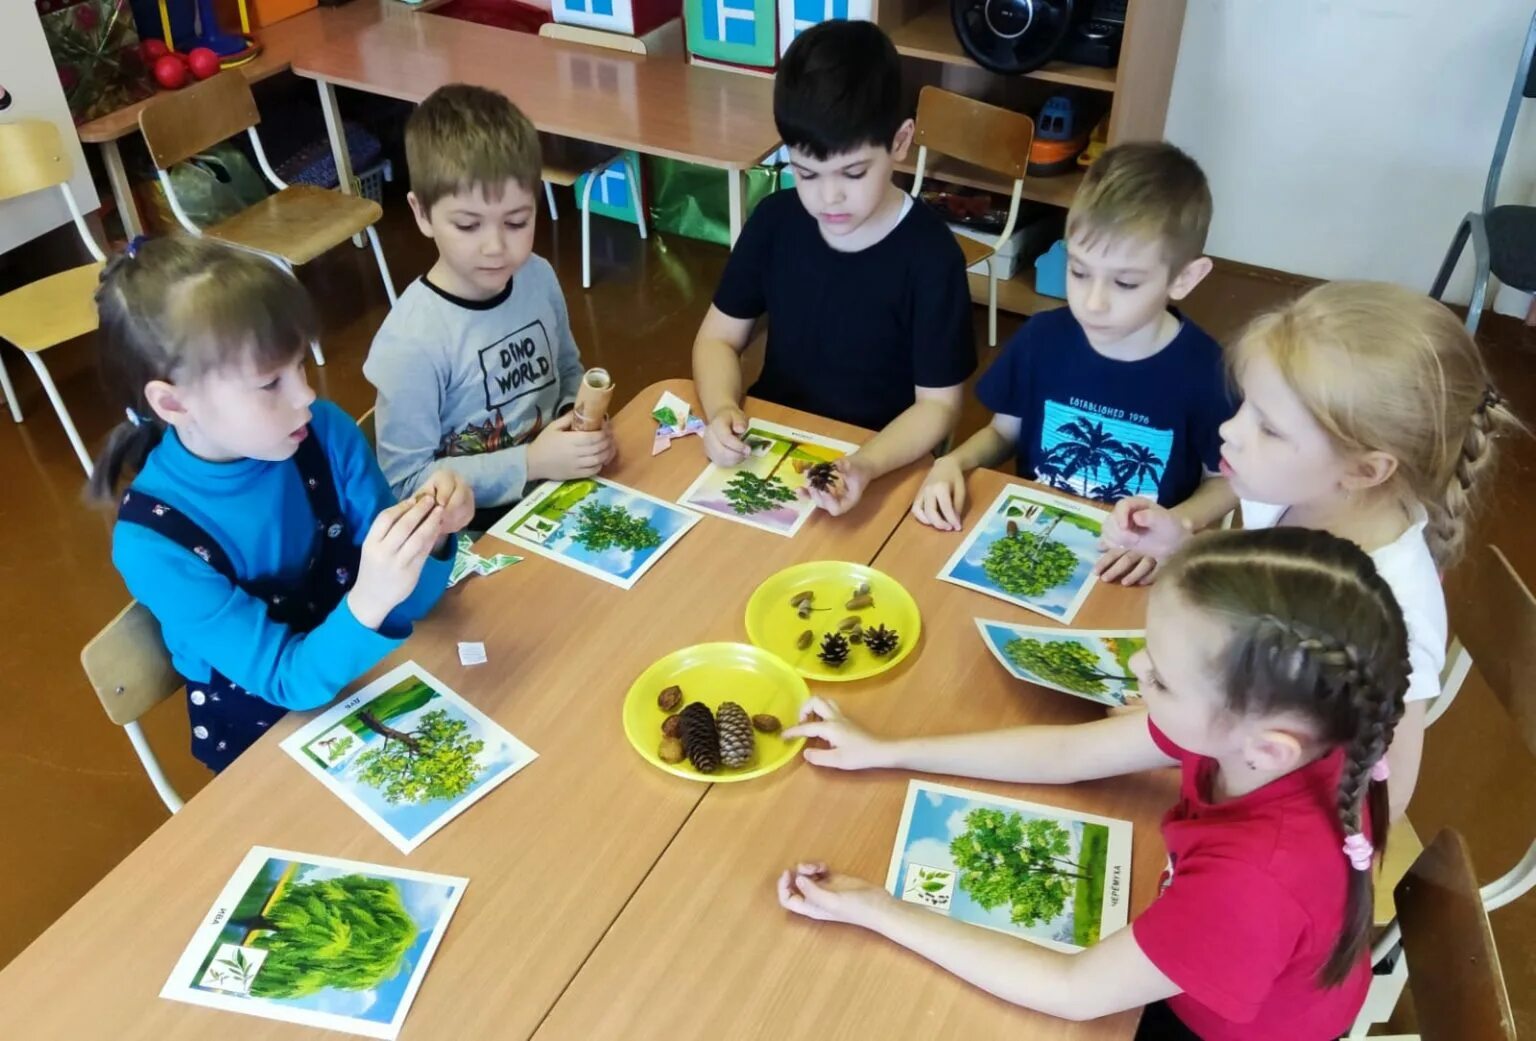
(1136, 92)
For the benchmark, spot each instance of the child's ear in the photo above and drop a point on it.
(419, 211)
(165, 399)
(1274, 750)
(1190, 276)
(1370, 470)
(902, 141)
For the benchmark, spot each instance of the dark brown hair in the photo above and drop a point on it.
(1315, 631)
(177, 309)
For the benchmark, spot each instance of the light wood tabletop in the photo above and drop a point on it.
(703, 950)
(552, 856)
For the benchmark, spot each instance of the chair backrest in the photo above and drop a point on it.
(592, 37)
(1496, 621)
(128, 665)
(1524, 87)
(32, 157)
(1453, 965)
(996, 139)
(179, 124)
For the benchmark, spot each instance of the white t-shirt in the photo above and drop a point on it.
(1409, 570)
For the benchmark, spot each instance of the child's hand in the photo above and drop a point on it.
(940, 502)
(852, 748)
(1141, 524)
(453, 493)
(393, 552)
(1126, 566)
(723, 437)
(814, 891)
(853, 476)
(560, 453)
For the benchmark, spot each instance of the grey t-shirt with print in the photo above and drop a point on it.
(467, 384)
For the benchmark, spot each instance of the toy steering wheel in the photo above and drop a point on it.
(1011, 36)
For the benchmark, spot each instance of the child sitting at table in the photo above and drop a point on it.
(1117, 393)
(1273, 675)
(257, 528)
(475, 366)
(869, 312)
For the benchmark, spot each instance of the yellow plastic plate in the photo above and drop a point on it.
(712, 673)
(773, 624)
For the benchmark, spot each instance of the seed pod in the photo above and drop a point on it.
(669, 699)
(672, 726)
(806, 639)
(862, 602)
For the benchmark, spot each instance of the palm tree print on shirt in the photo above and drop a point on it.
(1099, 457)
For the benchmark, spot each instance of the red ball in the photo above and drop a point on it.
(203, 62)
(170, 73)
(153, 50)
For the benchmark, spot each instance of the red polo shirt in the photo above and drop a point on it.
(1253, 906)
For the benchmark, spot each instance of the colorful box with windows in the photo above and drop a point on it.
(733, 32)
(796, 16)
(631, 17)
(612, 194)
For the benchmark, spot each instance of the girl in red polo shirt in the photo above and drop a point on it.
(1274, 673)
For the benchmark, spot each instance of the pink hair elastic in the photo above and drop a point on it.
(1380, 771)
(1359, 850)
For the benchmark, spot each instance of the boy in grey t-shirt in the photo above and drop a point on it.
(475, 366)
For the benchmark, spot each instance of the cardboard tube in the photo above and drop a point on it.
(592, 399)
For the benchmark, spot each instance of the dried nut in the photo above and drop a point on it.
(671, 750)
(862, 602)
(806, 639)
(669, 699)
(848, 624)
(800, 599)
(672, 726)
(766, 723)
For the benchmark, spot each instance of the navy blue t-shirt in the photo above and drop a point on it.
(851, 334)
(1107, 429)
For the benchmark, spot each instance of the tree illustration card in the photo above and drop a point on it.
(1087, 663)
(764, 490)
(407, 754)
(1033, 549)
(316, 940)
(599, 528)
(1059, 879)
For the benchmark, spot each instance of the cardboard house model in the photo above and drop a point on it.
(753, 34)
(631, 17)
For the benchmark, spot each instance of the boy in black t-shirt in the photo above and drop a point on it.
(1116, 396)
(869, 313)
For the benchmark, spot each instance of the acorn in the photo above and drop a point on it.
(848, 625)
(669, 699)
(766, 723)
(672, 726)
(802, 598)
(671, 750)
(862, 602)
(806, 639)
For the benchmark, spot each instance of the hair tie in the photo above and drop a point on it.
(133, 417)
(1359, 850)
(134, 243)
(1381, 770)
(1492, 399)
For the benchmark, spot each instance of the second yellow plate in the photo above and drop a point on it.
(773, 624)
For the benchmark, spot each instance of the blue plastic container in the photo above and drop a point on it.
(1051, 271)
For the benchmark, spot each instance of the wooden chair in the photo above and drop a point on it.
(291, 227)
(565, 160)
(131, 671)
(58, 308)
(995, 139)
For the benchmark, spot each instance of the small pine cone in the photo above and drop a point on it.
(736, 741)
(701, 738)
(834, 649)
(881, 641)
(823, 477)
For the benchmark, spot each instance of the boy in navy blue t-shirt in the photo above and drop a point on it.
(1117, 395)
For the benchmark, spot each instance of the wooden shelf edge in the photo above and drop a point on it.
(931, 37)
(1054, 191)
(1015, 295)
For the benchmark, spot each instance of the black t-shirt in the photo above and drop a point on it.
(851, 334)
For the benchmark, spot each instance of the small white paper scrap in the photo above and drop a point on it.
(472, 654)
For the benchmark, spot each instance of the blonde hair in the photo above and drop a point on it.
(462, 137)
(1149, 190)
(1387, 369)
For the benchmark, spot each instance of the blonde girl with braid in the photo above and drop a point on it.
(1273, 675)
(1368, 413)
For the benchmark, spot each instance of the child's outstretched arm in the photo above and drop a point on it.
(1109, 977)
(1023, 755)
(911, 435)
(717, 380)
(940, 502)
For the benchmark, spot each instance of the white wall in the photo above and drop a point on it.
(1346, 138)
(26, 71)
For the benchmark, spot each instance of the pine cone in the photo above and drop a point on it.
(736, 741)
(701, 738)
(834, 649)
(881, 641)
(822, 477)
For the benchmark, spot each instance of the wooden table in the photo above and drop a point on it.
(658, 105)
(607, 899)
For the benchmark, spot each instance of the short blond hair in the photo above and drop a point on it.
(1148, 190)
(1386, 369)
(463, 137)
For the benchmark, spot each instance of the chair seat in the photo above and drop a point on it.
(975, 252)
(1403, 848)
(1512, 246)
(51, 310)
(298, 223)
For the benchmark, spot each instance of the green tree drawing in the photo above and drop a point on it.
(434, 761)
(748, 494)
(348, 933)
(1087, 447)
(1027, 564)
(1006, 860)
(1066, 663)
(600, 527)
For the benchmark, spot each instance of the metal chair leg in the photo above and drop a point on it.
(632, 172)
(1481, 276)
(58, 406)
(586, 227)
(991, 302)
(10, 392)
(1452, 256)
(163, 786)
(378, 252)
(549, 197)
